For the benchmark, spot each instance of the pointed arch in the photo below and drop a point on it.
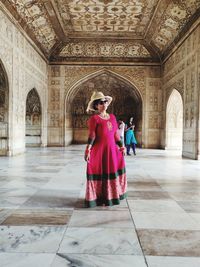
(73, 89)
(174, 121)
(121, 89)
(4, 111)
(33, 118)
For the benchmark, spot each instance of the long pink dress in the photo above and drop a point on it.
(106, 173)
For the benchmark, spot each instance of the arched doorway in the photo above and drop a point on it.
(174, 121)
(126, 102)
(33, 119)
(4, 100)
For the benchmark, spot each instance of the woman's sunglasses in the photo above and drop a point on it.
(101, 102)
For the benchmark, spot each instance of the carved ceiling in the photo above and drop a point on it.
(125, 30)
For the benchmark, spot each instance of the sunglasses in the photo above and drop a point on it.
(101, 102)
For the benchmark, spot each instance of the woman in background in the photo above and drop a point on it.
(130, 137)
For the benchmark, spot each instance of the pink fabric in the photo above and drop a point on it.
(106, 159)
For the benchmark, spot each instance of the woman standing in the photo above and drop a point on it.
(106, 174)
(130, 136)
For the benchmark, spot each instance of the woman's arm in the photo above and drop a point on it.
(91, 137)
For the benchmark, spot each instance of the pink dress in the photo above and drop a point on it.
(106, 173)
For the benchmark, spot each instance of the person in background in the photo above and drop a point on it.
(104, 153)
(121, 128)
(130, 137)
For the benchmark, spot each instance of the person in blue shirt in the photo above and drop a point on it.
(130, 137)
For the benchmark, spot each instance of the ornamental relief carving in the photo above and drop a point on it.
(104, 49)
(136, 76)
(171, 22)
(178, 85)
(11, 37)
(6, 27)
(37, 20)
(126, 101)
(54, 99)
(105, 16)
(154, 121)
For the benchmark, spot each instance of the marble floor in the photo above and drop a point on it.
(43, 222)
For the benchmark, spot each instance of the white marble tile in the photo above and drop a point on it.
(155, 206)
(30, 238)
(26, 259)
(53, 199)
(154, 220)
(100, 218)
(173, 261)
(84, 260)
(100, 241)
(195, 216)
(12, 202)
(182, 196)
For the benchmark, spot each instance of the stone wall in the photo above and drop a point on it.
(25, 70)
(65, 82)
(182, 72)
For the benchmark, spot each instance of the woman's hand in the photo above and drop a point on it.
(123, 150)
(87, 154)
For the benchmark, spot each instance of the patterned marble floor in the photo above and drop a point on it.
(43, 222)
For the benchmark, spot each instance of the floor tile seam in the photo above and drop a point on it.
(61, 239)
(20, 252)
(33, 225)
(194, 220)
(102, 254)
(161, 212)
(144, 256)
(168, 230)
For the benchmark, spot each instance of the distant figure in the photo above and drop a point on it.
(106, 173)
(121, 128)
(130, 137)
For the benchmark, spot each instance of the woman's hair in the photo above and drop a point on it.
(95, 103)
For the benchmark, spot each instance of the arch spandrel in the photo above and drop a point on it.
(77, 75)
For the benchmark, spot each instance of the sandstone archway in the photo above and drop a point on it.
(174, 121)
(4, 108)
(33, 119)
(126, 102)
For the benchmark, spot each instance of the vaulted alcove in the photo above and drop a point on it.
(174, 121)
(33, 119)
(4, 101)
(126, 102)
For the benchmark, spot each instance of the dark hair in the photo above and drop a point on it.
(128, 122)
(95, 103)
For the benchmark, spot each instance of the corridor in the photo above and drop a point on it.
(44, 224)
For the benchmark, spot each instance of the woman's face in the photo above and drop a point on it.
(102, 105)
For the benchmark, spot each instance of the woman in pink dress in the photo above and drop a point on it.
(106, 173)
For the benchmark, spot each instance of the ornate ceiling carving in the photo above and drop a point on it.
(105, 16)
(116, 29)
(104, 49)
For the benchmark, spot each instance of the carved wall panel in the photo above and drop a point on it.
(25, 70)
(36, 18)
(180, 72)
